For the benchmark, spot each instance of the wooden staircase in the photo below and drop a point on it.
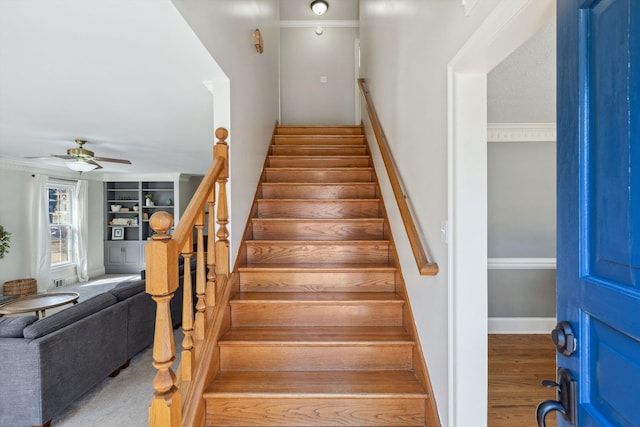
(319, 332)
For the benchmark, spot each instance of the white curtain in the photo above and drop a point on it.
(41, 234)
(81, 236)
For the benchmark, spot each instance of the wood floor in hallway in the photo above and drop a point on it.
(517, 365)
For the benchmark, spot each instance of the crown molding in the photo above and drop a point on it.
(32, 167)
(521, 132)
(320, 23)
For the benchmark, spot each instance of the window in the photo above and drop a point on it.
(61, 222)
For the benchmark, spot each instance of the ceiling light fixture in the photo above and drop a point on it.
(319, 7)
(319, 30)
(81, 165)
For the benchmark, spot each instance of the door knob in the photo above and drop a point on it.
(563, 338)
(567, 399)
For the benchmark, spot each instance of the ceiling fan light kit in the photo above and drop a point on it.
(81, 165)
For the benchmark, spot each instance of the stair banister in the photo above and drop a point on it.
(425, 267)
(162, 255)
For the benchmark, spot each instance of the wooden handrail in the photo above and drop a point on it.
(425, 267)
(162, 255)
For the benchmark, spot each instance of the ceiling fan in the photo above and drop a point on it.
(83, 160)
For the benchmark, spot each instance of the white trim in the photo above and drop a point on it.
(521, 132)
(521, 325)
(506, 28)
(521, 264)
(316, 23)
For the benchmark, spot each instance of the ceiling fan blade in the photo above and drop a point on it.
(94, 163)
(63, 156)
(107, 159)
(38, 157)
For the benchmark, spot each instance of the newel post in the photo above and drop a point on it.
(161, 283)
(221, 150)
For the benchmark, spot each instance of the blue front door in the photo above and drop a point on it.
(599, 206)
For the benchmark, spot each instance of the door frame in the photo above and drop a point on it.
(509, 25)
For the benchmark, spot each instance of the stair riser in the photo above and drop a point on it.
(320, 150)
(261, 252)
(308, 230)
(360, 281)
(319, 130)
(320, 175)
(318, 162)
(273, 208)
(282, 411)
(319, 139)
(304, 357)
(275, 313)
(318, 191)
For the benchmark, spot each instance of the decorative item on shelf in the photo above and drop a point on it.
(136, 207)
(169, 202)
(121, 221)
(134, 221)
(124, 209)
(116, 208)
(5, 241)
(145, 216)
(147, 200)
(117, 233)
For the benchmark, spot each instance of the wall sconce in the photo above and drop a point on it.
(257, 41)
(319, 7)
(319, 30)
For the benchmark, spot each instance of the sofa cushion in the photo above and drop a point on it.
(126, 290)
(68, 316)
(11, 327)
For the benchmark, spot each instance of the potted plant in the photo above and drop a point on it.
(147, 198)
(5, 240)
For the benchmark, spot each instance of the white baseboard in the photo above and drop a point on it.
(521, 325)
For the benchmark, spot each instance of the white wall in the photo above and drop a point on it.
(226, 30)
(405, 48)
(16, 187)
(305, 57)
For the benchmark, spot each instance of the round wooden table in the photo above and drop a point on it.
(38, 303)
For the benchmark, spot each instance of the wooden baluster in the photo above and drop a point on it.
(161, 283)
(186, 360)
(211, 245)
(201, 290)
(221, 150)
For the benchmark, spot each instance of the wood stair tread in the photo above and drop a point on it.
(319, 220)
(336, 169)
(335, 335)
(319, 130)
(316, 384)
(320, 267)
(319, 297)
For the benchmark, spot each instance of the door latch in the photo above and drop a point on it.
(566, 399)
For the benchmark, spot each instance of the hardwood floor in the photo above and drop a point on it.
(517, 365)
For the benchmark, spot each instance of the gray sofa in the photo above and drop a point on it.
(47, 364)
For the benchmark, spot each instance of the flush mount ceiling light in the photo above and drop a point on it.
(319, 7)
(81, 165)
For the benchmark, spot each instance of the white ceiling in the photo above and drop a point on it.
(124, 74)
(127, 76)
